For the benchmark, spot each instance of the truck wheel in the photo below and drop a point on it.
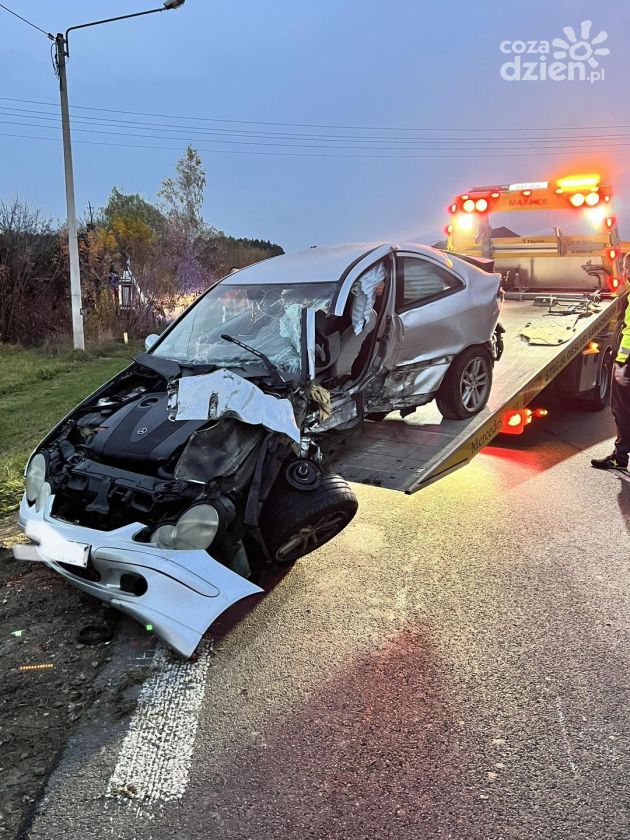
(466, 386)
(295, 522)
(599, 397)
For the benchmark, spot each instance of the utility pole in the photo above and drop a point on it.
(62, 53)
(73, 243)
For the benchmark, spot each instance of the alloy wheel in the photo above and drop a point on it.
(308, 538)
(474, 384)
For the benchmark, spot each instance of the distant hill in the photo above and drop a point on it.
(222, 253)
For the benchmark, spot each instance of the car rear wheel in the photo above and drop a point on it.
(466, 386)
(295, 522)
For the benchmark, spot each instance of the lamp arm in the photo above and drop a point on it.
(107, 20)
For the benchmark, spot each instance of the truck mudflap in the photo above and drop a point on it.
(175, 594)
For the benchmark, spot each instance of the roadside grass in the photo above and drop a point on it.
(37, 389)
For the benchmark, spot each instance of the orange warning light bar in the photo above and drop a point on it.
(578, 182)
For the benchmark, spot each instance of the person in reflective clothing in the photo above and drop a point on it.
(620, 396)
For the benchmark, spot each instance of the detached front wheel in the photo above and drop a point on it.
(295, 522)
(466, 386)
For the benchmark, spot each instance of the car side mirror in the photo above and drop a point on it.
(150, 340)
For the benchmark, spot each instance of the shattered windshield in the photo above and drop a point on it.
(266, 317)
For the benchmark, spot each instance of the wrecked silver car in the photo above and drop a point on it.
(167, 491)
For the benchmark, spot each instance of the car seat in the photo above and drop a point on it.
(351, 344)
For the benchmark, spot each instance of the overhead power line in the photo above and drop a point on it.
(316, 125)
(30, 23)
(450, 156)
(339, 142)
(34, 114)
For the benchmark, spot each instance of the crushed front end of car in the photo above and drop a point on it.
(169, 490)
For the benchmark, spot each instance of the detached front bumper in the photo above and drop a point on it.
(183, 592)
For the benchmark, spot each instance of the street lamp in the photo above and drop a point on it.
(62, 53)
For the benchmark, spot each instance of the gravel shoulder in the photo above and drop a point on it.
(48, 676)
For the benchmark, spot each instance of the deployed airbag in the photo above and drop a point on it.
(364, 290)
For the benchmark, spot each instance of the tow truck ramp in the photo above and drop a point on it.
(412, 453)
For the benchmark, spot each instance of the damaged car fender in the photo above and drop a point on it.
(177, 594)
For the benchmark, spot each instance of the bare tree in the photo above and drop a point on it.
(34, 301)
(182, 203)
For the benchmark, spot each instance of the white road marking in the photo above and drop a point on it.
(156, 753)
(565, 736)
(401, 606)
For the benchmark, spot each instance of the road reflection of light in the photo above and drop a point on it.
(511, 467)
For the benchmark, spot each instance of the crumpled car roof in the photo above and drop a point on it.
(319, 265)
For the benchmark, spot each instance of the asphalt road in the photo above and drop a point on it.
(455, 665)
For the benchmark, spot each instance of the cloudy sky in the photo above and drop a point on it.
(333, 121)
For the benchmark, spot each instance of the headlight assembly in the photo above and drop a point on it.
(44, 494)
(35, 476)
(196, 528)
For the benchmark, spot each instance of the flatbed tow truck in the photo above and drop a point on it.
(571, 292)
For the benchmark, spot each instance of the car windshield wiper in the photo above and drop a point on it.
(168, 368)
(171, 368)
(273, 370)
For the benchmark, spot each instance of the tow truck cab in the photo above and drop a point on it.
(557, 266)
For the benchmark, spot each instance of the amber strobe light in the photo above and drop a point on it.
(578, 182)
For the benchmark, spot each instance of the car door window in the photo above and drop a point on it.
(421, 281)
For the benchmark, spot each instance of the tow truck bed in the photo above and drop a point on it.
(409, 454)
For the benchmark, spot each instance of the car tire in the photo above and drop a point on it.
(456, 399)
(295, 522)
(599, 397)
